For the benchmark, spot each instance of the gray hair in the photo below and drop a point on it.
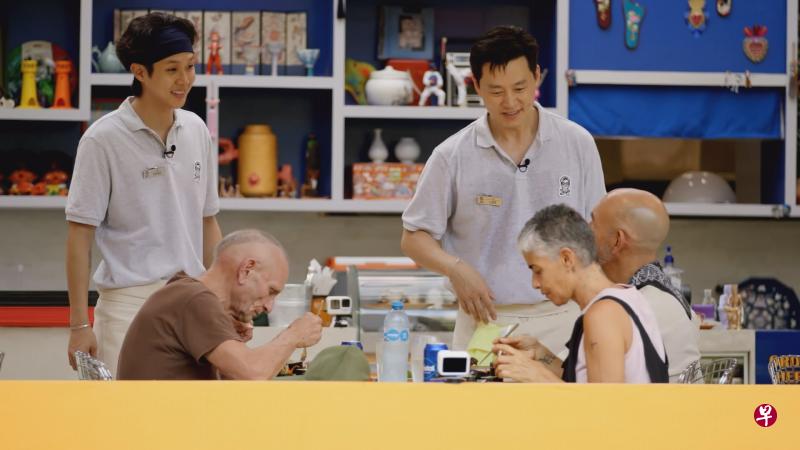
(246, 237)
(556, 227)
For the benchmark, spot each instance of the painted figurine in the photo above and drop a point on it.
(432, 80)
(214, 49)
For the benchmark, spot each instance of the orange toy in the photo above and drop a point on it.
(214, 48)
(63, 95)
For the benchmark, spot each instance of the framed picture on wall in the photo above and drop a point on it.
(405, 33)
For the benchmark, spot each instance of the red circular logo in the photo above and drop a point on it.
(765, 415)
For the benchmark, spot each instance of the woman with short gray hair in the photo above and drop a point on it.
(616, 339)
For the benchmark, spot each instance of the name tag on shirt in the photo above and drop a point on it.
(489, 200)
(152, 172)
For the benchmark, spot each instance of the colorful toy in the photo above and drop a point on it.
(433, 82)
(28, 98)
(755, 43)
(724, 7)
(355, 79)
(214, 62)
(22, 182)
(603, 13)
(63, 95)
(697, 17)
(634, 14)
(287, 185)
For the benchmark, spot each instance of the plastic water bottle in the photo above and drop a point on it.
(393, 365)
(673, 273)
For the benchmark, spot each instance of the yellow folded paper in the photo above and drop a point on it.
(481, 343)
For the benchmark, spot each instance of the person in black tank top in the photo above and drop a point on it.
(558, 246)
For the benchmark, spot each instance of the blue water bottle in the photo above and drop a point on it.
(393, 365)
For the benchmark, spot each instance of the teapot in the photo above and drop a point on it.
(107, 61)
(389, 87)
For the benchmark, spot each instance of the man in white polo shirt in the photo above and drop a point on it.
(144, 189)
(482, 184)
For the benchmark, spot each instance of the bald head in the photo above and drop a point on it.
(242, 244)
(640, 214)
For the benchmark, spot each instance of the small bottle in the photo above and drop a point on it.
(708, 308)
(673, 273)
(393, 365)
(722, 313)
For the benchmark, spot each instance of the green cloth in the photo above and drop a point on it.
(338, 363)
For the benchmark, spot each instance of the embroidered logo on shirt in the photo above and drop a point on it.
(563, 188)
(197, 171)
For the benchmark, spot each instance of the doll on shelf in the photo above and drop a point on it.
(214, 48)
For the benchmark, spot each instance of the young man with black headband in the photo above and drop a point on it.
(144, 189)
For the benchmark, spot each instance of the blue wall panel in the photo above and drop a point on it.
(667, 44)
(677, 112)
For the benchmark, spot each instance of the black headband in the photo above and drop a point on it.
(169, 41)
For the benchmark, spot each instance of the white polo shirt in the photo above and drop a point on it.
(147, 208)
(473, 198)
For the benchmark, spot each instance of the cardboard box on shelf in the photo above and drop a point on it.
(395, 181)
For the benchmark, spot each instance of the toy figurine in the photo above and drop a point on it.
(63, 94)
(310, 185)
(214, 60)
(21, 182)
(432, 80)
(287, 186)
(55, 183)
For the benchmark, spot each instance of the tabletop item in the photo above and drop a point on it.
(393, 363)
(106, 61)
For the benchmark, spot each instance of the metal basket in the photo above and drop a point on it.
(90, 368)
(718, 371)
(784, 369)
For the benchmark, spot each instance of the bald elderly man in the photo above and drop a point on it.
(629, 227)
(191, 328)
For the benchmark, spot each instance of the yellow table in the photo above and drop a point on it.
(316, 415)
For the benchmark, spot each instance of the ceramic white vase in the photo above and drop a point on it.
(377, 150)
(407, 150)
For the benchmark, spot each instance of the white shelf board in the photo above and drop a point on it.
(653, 78)
(389, 206)
(62, 115)
(32, 202)
(720, 210)
(312, 205)
(416, 112)
(228, 81)
(412, 112)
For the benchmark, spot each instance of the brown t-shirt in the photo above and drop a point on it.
(175, 328)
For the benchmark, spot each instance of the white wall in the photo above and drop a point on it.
(710, 250)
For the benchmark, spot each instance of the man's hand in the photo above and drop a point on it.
(307, 330)
(83, 340)
(520, 366)
(474, 296)
(245, 329)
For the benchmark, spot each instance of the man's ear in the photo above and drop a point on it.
(621, 242)
(245, 269)
(138, 71)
